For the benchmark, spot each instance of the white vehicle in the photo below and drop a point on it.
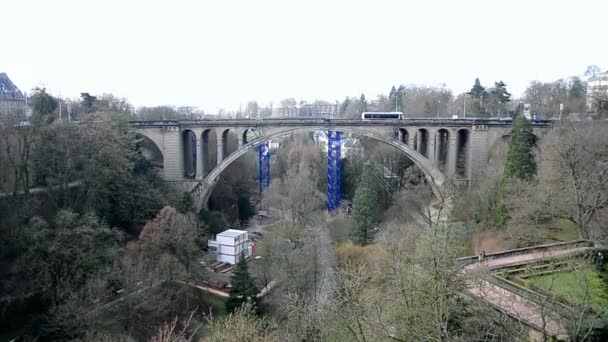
(381, 116)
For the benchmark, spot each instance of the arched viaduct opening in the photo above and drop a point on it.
(422, 142)
(188, 140)
(462, 152)
(248, 135)
(404, 136)
(209, 150)
(443, 145)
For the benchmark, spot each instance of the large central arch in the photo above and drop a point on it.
(435, 177)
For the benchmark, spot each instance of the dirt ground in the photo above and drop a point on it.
(487, 241)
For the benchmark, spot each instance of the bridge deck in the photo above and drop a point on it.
(332, 122)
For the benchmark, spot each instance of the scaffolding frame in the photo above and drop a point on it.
(264, 166)
(334, 166)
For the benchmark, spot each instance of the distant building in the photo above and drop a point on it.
(12, 100)
(351, 147)
(312, 110)
(597, 93)
(318, 110)
(274, 144)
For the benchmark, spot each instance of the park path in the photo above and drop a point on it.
(527, 311)
(327, 261)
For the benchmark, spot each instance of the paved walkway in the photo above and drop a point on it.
(531, 313)
(523, 258)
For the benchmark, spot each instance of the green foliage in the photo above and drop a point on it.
(582, 286)
(186, 202)
(520, 162)
(498, 98)
(478, 92)
(242, 286)
(349, 178)
(215, 220)
(240, 325)
(43, 106)
(63, 254)
(103, 158)
(366, 207)
(87, 101)
(246, 210)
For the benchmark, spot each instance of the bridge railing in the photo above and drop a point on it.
(527, 250)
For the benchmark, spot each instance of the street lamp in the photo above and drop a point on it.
(438, 105)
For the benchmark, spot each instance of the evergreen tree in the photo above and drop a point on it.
(87, 101)
(477, 90)
(43, 106)
(499, 96)
(242, 286)
(520, 163)
(363, 103)
(245, 208)
(366, 208)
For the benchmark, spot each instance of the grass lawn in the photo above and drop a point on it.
(563, 230)
(581, 286)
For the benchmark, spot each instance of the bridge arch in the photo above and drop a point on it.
(150, 150)
(435, 177)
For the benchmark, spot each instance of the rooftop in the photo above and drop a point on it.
(6, 85)
(232, 233)
(8, 90)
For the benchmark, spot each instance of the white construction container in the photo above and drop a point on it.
(230, 244)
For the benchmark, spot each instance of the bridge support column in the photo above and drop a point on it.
(431, 146)
(241, 138)
(220, 149)
(478, 151)
(200, 171)
(172, 154)
(452, 155)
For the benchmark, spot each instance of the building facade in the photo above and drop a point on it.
(12, 100)
(309, 110)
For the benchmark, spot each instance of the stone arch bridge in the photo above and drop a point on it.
(194, 153)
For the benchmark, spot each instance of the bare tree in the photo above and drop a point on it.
(577, 158)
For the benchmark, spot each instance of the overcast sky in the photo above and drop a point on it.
(222, 53)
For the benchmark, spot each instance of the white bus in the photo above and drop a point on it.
(381, 116)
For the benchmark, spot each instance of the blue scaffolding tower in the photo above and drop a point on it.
(333, 170)
(264, 165)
